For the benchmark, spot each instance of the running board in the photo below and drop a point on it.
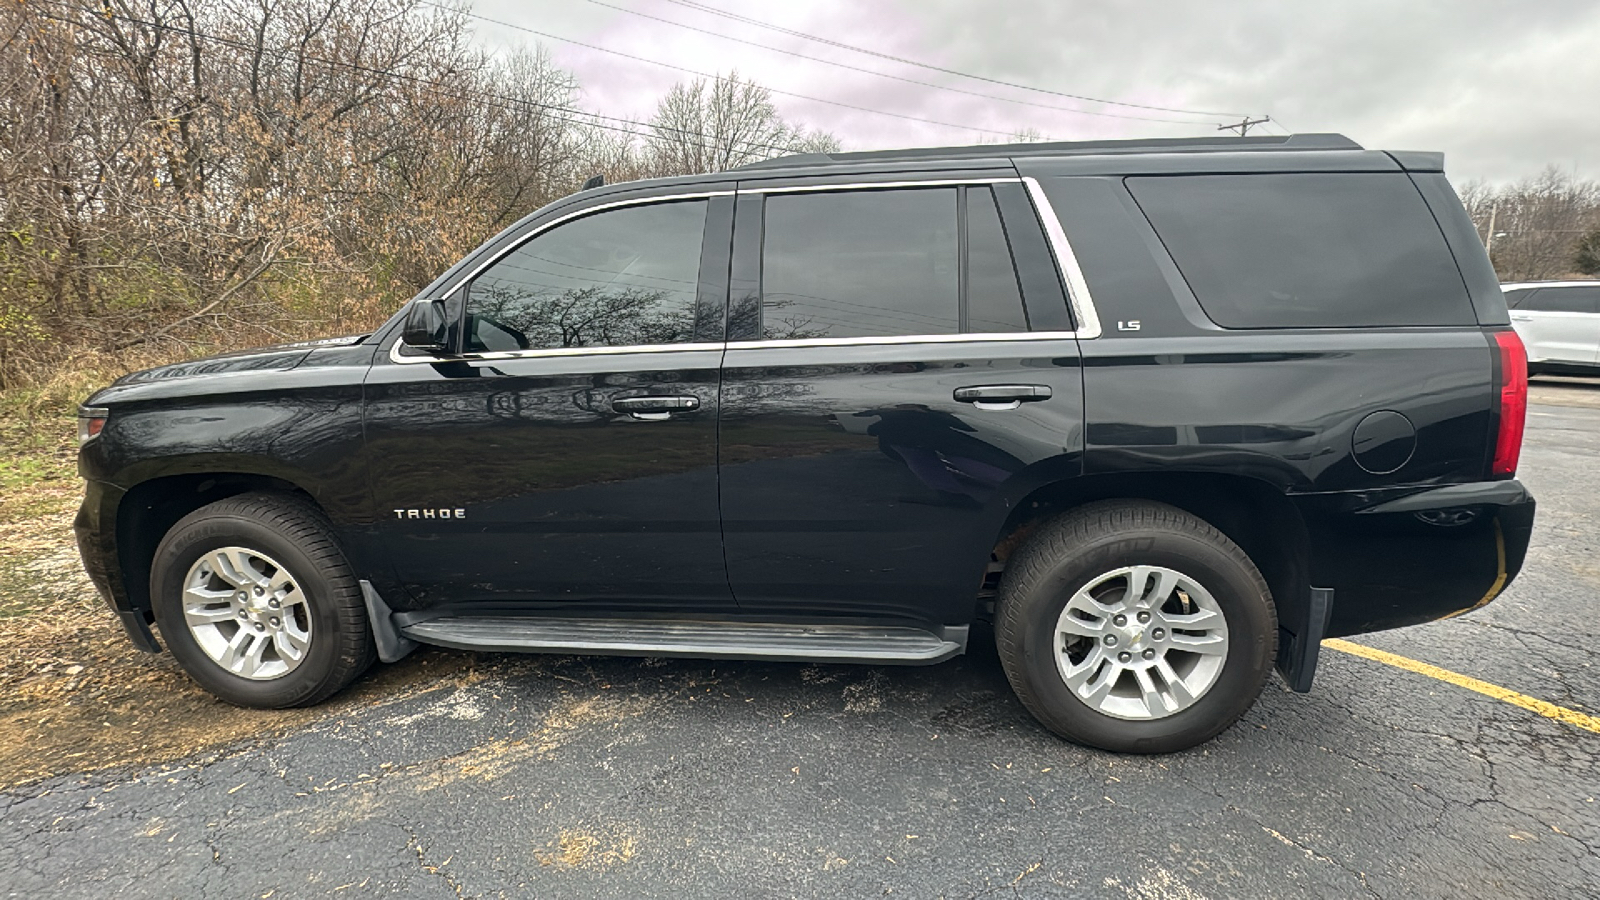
(699, 639)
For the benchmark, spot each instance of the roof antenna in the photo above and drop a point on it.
(596, 181)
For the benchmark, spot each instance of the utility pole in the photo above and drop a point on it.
(1488, 241)
(1243, 126)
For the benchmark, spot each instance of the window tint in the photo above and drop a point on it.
(994, 302)
(1564, 299)
(1313, 250)
(618, 278)
(860, 264)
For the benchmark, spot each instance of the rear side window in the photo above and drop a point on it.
(1308, 250)
(1564, 299)
(994, 301)
(860, 264)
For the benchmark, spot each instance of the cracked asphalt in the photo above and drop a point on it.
(600, 777)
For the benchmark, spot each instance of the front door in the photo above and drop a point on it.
(885, 393)
(567, 459)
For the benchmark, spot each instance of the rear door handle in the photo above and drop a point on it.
(653, 408)
(1002, 396)
(1517, 318)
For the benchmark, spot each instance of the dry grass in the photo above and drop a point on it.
(75, 695)
(589, 848)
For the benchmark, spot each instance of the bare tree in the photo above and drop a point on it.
(1533, 227)
(175, 172)
(1027, 135)
(712, 126)
(1586, 256)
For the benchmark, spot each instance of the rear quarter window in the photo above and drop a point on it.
(1307, 250)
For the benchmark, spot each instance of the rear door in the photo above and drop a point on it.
(887, 392)
(1559, 324)
(568, 456)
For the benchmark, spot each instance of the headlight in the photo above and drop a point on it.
(91, 419)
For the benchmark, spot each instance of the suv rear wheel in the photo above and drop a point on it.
(258, 604)
(1136, 627)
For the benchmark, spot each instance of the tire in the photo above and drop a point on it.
(1083, 551)
(316, 607)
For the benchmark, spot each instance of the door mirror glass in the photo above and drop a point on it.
(426, 327)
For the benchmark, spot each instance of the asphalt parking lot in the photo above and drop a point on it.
(580, 777)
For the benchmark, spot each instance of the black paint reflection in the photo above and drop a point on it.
(567, 502)
(942, 451)
(854, 484)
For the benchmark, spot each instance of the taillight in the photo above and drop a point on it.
(1513, 402)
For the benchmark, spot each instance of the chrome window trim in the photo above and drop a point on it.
(1078, 297)
(1532, 285)
(866, 341)
(872, 185)
(550, 352)
(870, 340)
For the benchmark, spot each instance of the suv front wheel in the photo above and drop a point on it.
(1135, 627)
(258, 604)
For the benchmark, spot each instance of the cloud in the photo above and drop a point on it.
(1503, 89)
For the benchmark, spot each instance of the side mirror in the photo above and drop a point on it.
(426, 328)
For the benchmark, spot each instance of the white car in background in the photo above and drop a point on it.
(1559, 323)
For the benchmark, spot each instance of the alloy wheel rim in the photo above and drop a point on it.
(1141, 642)
(247, 613)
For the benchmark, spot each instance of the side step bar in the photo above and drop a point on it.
(708, 640)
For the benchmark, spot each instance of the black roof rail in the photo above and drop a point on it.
(1068, 148)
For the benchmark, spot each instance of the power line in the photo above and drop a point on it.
(505, 103)
(701, 7)
(700, 74)
(926, 84)
(1280, 126)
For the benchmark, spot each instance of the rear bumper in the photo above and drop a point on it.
(95, 530)
(1402, 556)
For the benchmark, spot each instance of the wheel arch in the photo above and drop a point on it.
(1252, 513)
(150, 508)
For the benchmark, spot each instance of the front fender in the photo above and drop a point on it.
(303, 427)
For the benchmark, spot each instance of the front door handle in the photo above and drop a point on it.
(1002, 396)
(654, 409)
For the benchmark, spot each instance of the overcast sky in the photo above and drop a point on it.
(1503, 88)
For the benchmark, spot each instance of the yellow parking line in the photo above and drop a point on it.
(1532, 704)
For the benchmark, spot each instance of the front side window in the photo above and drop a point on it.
(624, 277)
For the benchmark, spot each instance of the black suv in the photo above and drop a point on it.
(1166, 413)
